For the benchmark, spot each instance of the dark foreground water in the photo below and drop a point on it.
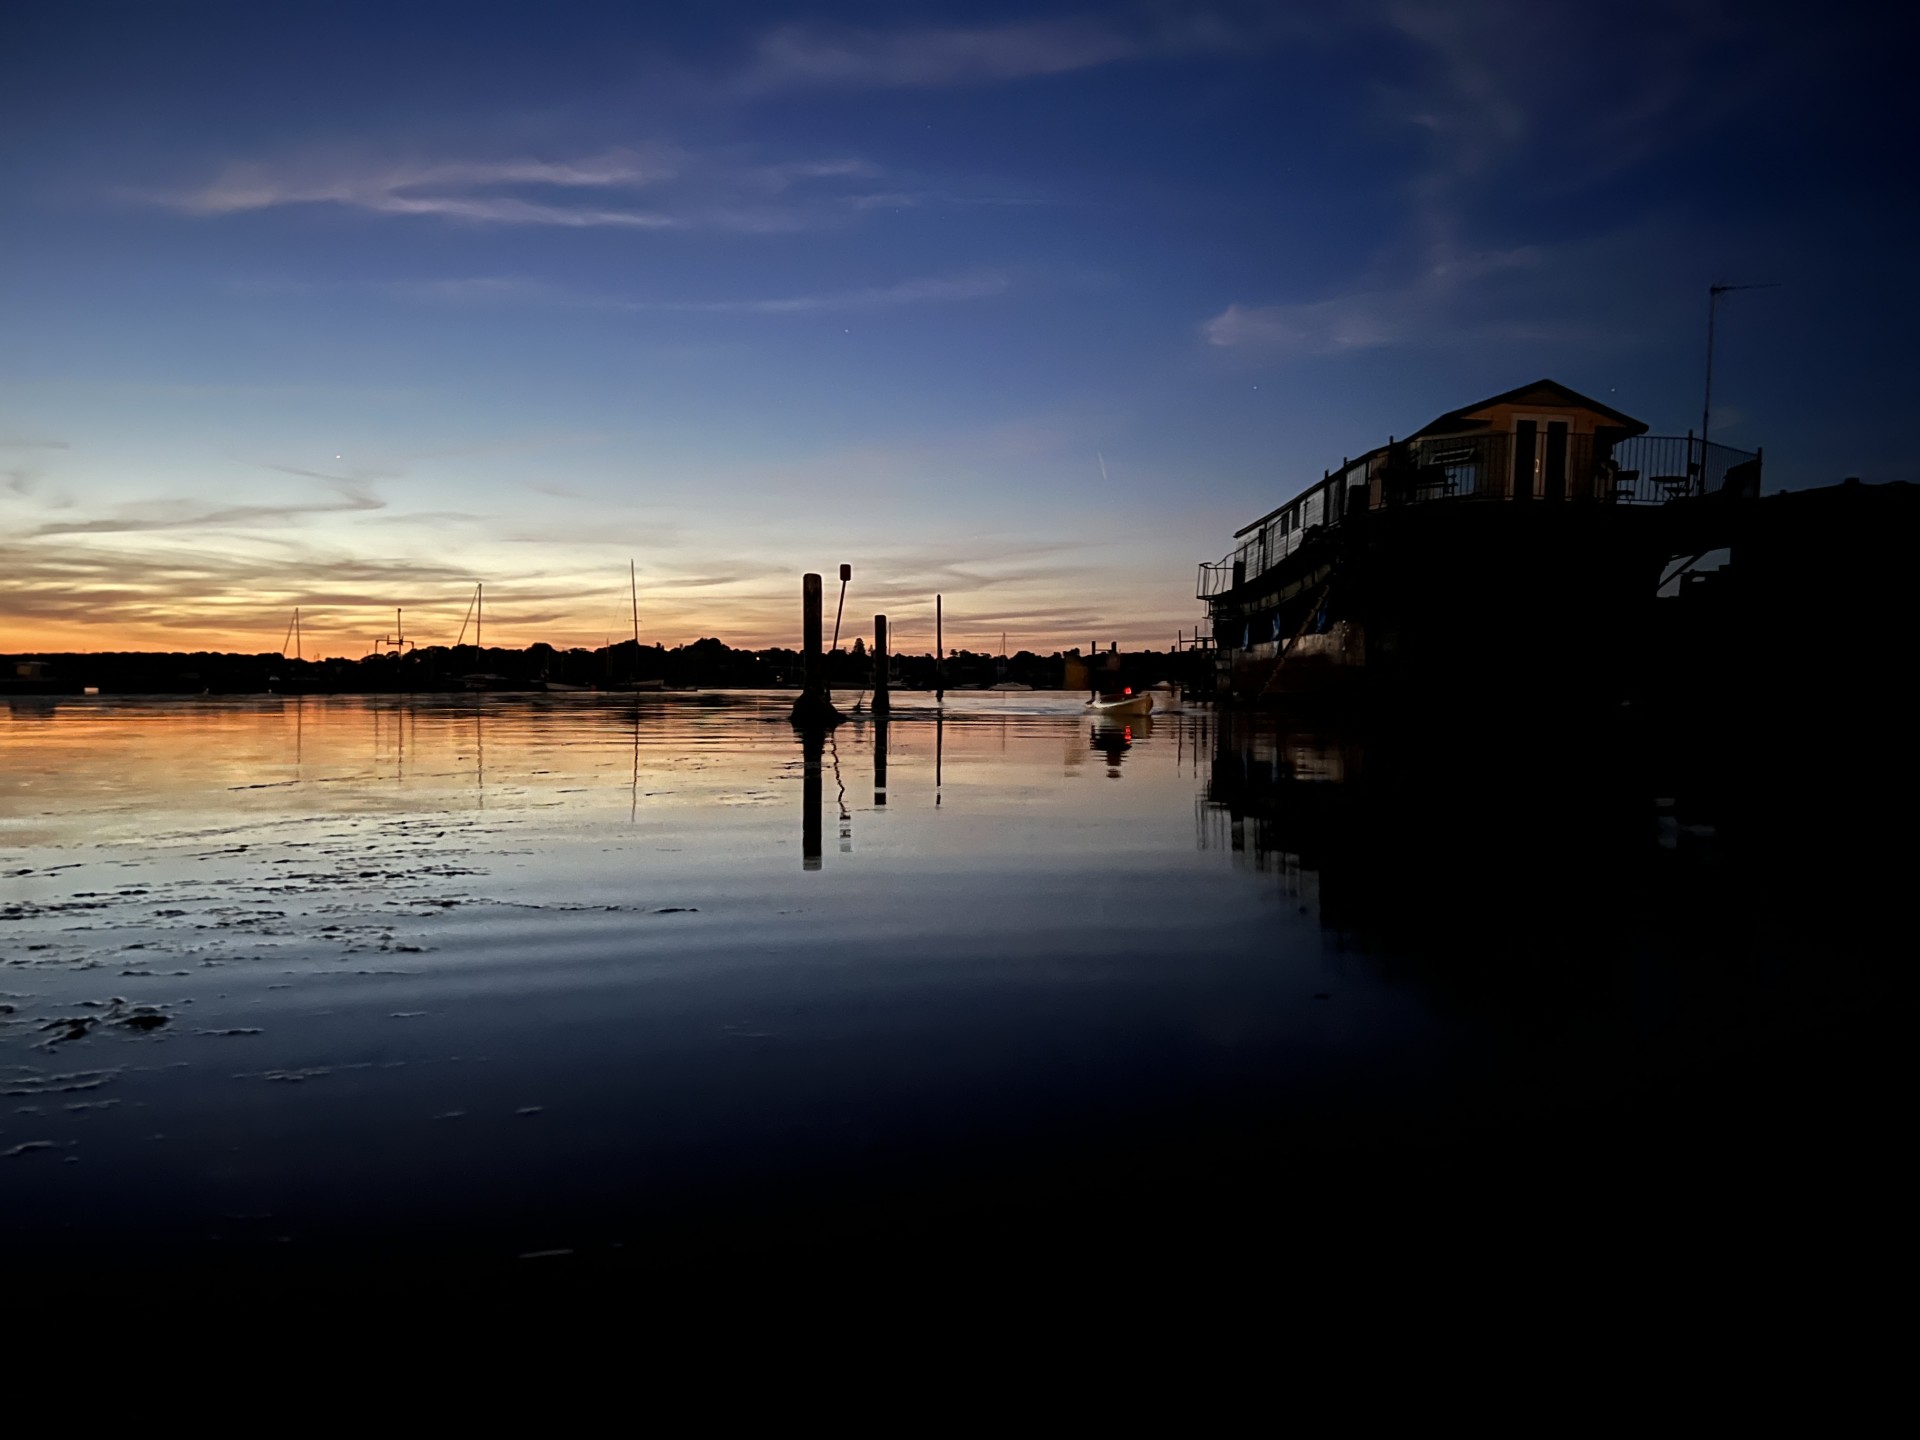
(510, 984)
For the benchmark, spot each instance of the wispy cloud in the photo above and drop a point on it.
(1622, 88)
(97, 591)
(1497, 123)
(520, 290)
(90, 593)
(1321, 327)
(20, 475)
(819, 56)
(1449, 301)
(479, 290)
(133, 590)
(183, 514)
(907, 292)
(460, 189)
(21, 479)
(648, 187)
(354, 483)
(815, 56)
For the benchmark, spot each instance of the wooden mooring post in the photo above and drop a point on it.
(815, 705)
(939, 653)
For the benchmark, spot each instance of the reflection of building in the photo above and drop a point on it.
(1366, 578)
(1397, 836)
(1114, 739)
(34, 677)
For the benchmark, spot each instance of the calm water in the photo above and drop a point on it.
(546, 973)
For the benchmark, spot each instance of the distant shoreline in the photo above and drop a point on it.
(625, 668)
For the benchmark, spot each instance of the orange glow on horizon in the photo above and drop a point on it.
(354, 639)
(57, 598)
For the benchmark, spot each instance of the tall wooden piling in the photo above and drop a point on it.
(939, 654)
(815, 705)
(810, 626)
(882, 704)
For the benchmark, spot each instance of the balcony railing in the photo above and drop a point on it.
(1215, 579)
(1538, 469)
(1641, 470)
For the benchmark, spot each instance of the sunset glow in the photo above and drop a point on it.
(1027, 310)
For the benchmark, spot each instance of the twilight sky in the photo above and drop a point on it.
(1031, 305)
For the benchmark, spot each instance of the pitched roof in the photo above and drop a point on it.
(1545, 392)
(1457, 419)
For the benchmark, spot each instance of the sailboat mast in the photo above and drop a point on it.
(633, 590)
(478, 588)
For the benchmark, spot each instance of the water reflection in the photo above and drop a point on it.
(350, 948)
(813, 748)
(1114, 738)
(1518, 890)
(1402, 837)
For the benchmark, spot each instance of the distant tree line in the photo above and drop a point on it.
(703, 664)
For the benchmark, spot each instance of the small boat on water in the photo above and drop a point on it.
(1127, 702)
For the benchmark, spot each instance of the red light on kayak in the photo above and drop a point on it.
(1128, 690)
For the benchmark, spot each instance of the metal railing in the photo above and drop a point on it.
(1653, 469)
(1215, 579)
(1639, 470)
(1543, 467)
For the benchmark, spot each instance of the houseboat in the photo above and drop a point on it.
(1513, 544)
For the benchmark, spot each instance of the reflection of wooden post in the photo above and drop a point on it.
(939, 746)
(881, 703)
(939, 655)
(815, 705)
(813, 744)
(880, 762)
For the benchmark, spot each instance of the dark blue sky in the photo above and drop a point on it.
(1032, 305)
